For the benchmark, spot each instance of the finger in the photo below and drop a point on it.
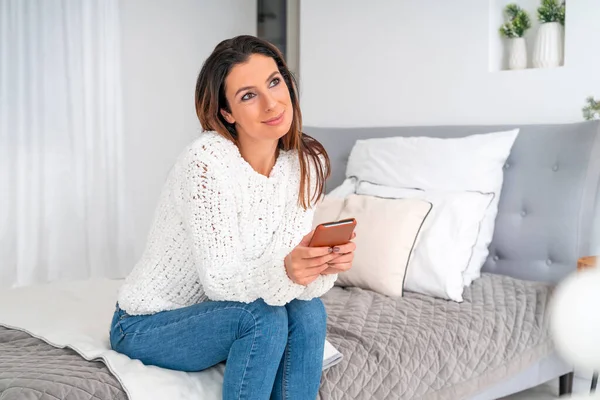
(344, 258)
(345, 248)
(313, 274)
(336, 256)
(310, 271)
(312, 252)
(319, 261)
(330, 271)
(341, 267)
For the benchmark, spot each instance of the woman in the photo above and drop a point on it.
(227, 274)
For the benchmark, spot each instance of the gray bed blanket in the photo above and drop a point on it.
(32, 369)
(418, 347)
(415, 347)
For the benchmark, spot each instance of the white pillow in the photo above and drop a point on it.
(446, 241)
(344, 190)
(386, 231)
(472, 163)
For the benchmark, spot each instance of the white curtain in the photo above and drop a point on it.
(62, 209)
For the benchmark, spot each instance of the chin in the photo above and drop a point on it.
(283, 130)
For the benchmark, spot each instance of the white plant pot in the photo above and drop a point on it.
(548, 50)
(517, 57)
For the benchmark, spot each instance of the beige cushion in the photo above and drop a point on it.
(328, 210)
(386, 232)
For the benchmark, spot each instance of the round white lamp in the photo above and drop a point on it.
(575, 319)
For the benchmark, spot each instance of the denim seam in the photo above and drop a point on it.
(251, 352)
(184, 319)
(286, 362)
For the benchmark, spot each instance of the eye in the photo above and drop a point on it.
(248, 96)
(274, 82)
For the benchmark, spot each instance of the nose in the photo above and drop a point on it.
(269, 101)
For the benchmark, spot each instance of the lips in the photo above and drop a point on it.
(276, 120)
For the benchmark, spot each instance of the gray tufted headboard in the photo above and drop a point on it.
(550, 201)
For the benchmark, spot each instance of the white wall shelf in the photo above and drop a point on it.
(499, 46)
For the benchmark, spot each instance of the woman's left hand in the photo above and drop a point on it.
(343, 262)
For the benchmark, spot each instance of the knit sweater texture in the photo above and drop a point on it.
(221, 232)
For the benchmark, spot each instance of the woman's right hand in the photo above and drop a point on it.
(304, 264)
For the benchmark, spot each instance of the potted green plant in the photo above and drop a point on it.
(592, 109)
(548, 49)
(518, 22)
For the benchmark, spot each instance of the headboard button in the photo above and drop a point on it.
(548, 262)
(555, 167)
(496, 258)
(523, 213)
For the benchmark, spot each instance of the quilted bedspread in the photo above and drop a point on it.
(419, 347)
(414, 347)
(32, 369)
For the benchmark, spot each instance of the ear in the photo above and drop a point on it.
(228, 117)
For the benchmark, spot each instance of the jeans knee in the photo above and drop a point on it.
(266, 321)
(310, 317)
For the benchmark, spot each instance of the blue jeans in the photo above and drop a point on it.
(270, 352)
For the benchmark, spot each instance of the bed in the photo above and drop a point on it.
(551, 178)
(414, 347)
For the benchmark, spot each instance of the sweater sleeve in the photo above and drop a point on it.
(318, 287)
(208, 204)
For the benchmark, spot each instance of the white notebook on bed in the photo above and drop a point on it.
(331, 356)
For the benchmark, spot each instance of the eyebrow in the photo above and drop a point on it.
(252, 87)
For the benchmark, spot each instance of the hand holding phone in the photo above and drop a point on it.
(337, 234)
(304, 264)
(318, 253)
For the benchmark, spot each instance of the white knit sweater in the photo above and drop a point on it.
(221, 232)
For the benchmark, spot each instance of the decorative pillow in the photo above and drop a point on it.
(386, 232)
(472, 163)
(328, 210)
(446, 242)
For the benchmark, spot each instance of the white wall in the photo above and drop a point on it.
(164, 44)
(427, 62)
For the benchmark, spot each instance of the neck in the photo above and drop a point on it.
(261, 155)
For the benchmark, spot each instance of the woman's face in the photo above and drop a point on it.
(259, 100)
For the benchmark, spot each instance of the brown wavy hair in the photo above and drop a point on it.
(210, 99)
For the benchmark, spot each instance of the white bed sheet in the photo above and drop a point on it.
(78, 314)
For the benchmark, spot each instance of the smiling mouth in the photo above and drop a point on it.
(275, 120)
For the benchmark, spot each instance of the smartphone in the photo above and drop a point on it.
(331, 234)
